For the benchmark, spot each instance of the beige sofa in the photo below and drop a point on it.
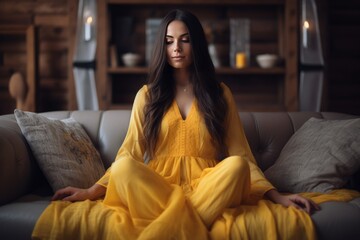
(24, 192)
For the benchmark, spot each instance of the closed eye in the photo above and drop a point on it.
(185, 40)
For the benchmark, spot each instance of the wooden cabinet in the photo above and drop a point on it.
(273, 29)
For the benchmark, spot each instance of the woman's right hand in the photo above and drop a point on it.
(73, 194)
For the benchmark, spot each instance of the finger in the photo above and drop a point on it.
(302, 203)
(61, 193)
(59, 196)
(55, 197)
(293, 204)
(315, 205)
(309, 204)
(71, 198)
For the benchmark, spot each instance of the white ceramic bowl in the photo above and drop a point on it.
(131, 59)
(267, 60)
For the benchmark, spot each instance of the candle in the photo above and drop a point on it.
(240, 60)
(305, 30)
(87, 29)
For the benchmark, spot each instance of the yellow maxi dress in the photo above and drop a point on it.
(184, 192)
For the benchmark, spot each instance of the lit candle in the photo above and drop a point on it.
(240, 60)
(305, 29)
(87, 30)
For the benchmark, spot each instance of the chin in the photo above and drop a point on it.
(179, 65)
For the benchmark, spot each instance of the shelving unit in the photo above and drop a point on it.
(273, 30)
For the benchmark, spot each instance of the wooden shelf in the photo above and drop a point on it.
(274, 25)
(200, 2)
(222, 70)
(127, 70)
(251, 70)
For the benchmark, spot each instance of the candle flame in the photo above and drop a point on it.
(306, 24)
(89, 20)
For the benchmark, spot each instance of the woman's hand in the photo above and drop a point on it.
(295, 200)
(73, 194)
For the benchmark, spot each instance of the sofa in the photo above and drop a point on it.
(25, 193)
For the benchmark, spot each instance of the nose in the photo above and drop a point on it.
(177, 47)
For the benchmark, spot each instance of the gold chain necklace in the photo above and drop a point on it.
(185, 89)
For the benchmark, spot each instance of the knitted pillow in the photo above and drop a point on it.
(62, 149)
(321, 156)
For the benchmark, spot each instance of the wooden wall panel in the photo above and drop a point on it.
(54, 21)
(51, 21)
(343, 56)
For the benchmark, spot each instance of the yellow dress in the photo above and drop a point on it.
(184, 192)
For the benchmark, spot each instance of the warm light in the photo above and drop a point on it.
(87, 30)
(240, 60)
(89, 20)
(306, 24)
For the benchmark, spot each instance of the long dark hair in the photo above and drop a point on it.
(161, 86)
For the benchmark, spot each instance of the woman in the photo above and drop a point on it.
(200, 179)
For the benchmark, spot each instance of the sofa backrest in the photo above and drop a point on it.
(267, 133)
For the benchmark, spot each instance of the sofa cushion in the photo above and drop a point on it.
(17, 219)
(321, 156)
(338, 220)
(62, 149)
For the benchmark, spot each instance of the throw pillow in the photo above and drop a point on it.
(321, 156)
(62, 149)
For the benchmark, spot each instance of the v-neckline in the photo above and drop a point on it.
(177, 110)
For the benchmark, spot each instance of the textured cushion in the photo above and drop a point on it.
(62, 149)
(319, 157)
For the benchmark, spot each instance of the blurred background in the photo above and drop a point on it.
(82, 54)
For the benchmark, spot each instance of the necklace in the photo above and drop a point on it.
(184, 89)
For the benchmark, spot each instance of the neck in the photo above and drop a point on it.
(182, 77)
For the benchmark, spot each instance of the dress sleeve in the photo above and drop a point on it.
(237, 144)
(133, 145)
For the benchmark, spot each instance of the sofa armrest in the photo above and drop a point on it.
(16, 161)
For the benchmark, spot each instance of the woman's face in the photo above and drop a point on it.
(178, 47)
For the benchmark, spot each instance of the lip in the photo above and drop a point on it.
(178, 57)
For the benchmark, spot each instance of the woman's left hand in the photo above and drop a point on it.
(295, 200)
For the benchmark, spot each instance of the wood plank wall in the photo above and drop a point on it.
(51, 21)
(343, 54)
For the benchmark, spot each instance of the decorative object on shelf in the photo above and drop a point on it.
(18, 89)
(88, 28)
(152, 26)
(217, 36)
(240, 60)
(23, 88)
(311, 59)
(84, 57)
(267, 60)
(239, 41)
(310, 47)
(214, 55)
(131, 59)
(113, 55)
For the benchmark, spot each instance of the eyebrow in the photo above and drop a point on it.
(182, 35)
